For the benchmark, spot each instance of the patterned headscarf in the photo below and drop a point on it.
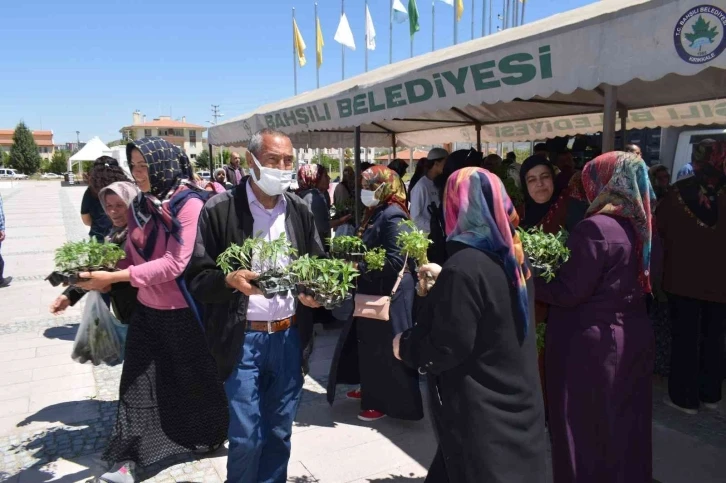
(617, 184)
(169, 168)
(389, 190)
(575, 187)
(309, 175)
(479, 213)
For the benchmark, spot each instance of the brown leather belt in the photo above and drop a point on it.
(271, 326)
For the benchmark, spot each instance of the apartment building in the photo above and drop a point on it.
(177, 131)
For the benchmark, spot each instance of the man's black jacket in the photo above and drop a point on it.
(226, 219)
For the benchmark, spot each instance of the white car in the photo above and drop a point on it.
(205, 175)
(10, 173)
(51, 176)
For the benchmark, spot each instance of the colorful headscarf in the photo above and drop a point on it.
(575, 188)
(479, 213)
(617, 184)
(169, 167)
(389, 190)
(309, 175)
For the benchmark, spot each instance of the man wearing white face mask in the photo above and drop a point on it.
(257, 342)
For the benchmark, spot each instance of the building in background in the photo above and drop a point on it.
(178, 132)
(44, 140)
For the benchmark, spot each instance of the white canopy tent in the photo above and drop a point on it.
(94, 149)
(611, 57)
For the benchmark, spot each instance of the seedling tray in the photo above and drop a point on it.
(326, 301)
(273, 284)
(351, 257)
(71, 278)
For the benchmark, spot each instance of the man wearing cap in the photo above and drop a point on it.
(425, 192)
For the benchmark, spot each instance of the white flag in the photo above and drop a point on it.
(370, 31)
(400, 14)
(450, 3)
(344, 35)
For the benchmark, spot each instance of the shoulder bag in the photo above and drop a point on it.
(377, 306)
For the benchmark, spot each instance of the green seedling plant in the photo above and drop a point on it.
(87, 255)
(375, 259)
(546, 251)
(328, 280)
(414, 244)
(341, 209)
(540, 333)
(262, 256)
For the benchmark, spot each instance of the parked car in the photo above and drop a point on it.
(205, 175)
(51, 176)
(10, 173)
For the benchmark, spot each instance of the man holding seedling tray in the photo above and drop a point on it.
(256, 340)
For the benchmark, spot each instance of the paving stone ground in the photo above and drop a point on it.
(56, 415)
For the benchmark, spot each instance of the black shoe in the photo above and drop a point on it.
(5, 282)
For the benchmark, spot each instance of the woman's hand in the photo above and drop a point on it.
(308, 301)
(397, 346)
(430, 270)
(59, 305)
(96, 280)
(240, 280)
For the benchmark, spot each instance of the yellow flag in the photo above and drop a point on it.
(299, 44)
(319, 44)
(459, 9)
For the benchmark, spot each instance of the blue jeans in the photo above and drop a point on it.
(263, 393)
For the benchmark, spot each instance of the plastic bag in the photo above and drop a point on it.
(101, 337)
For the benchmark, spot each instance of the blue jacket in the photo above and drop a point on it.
(2, 215)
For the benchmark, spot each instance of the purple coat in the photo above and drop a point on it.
(599, 358)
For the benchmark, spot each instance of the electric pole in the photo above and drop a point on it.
(215, 113)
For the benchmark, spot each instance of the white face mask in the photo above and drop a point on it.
(368, 197)
(272, 182)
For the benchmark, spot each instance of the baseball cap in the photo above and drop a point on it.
(437, 153)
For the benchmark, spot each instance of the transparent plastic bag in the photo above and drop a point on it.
(100, 337)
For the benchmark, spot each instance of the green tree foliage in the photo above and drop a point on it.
(202, 160)
(24, 154)
(59, 162)
(329, 163)
(4, 159)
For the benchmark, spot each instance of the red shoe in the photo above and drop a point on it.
(371, 415)
(354, 394)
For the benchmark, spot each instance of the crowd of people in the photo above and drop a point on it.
(210, 359)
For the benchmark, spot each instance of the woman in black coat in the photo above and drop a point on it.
(475, 339)
(363, 355)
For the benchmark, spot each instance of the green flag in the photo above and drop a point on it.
(413, 17)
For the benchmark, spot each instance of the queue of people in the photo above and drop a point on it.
(209, 358)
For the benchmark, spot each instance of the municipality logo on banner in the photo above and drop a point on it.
(699, 34)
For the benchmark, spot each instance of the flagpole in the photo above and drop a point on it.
(491, 9)
(483, 18)
(433, 24)
(365, 16)
(524, 3)
(504, 14)
(412, 46)
(516, 13)
(294, 51)
(456, 34)
(472, 19)
(390, 34)
(342, 47)
(317, 42)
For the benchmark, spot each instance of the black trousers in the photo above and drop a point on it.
(698, 351)
(2, 265)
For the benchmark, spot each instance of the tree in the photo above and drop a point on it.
(202, 160)
(24, 154)
(59, 162)
(4, 159)
(331, 164)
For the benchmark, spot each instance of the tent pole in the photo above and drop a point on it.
(393, 145)
(478, 137)
(610, 108)
(624, 127)
(357, 175)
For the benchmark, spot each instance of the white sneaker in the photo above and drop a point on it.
(667, 401)
(121, 473)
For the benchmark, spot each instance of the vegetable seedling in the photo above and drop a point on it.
(414, 244)
(375, 259)
(83, 256)
(546, 251)
(349, 248)
(328, 281)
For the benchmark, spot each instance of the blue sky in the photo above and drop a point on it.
(87, 65)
